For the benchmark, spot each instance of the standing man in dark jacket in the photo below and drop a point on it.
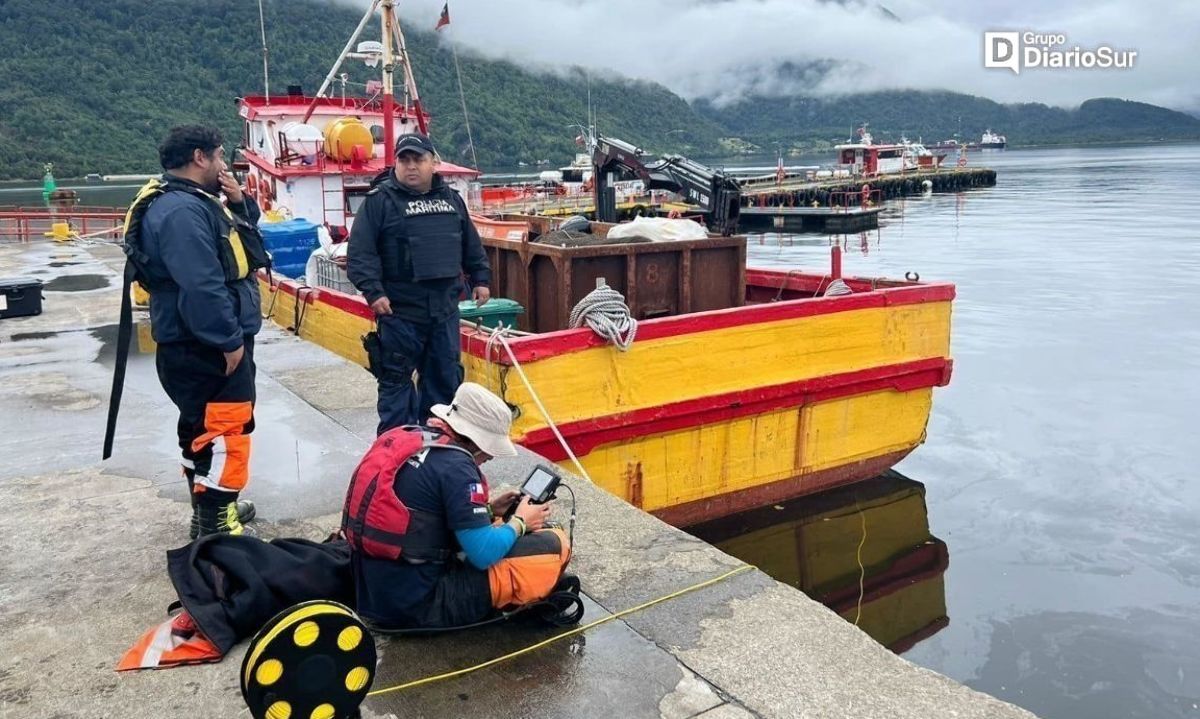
(204, 313)
(411, 243)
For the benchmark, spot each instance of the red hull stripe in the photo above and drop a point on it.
(586, 435)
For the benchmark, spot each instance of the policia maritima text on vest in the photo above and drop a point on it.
(411, 243)
(197, 255)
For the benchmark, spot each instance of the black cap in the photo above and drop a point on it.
(414, 142)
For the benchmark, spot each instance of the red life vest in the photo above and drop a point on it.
(374, 520)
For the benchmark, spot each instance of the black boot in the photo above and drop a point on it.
(217, 512)
(245, 508)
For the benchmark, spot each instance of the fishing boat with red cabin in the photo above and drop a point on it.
(742, 386)
(867, 159)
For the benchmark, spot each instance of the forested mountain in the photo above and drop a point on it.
(91, 86)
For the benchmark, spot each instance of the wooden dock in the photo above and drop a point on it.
(809, 219)
(825, 192)
(845, 204)
(796, 205)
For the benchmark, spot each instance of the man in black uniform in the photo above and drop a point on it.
(411, 243)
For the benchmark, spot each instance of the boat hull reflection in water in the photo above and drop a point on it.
(875, 531)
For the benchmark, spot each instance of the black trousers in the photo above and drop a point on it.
(431, 349)
(216, 413)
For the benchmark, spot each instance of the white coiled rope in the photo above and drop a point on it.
(605, 311)
(837, 288)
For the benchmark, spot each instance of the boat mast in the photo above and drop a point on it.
(341, 58)
(389, 67)
(389, 32)
(410, 81)
(262, 27)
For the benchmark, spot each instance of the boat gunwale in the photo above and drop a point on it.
(869, 293)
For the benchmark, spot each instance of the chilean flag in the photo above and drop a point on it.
(445, 18)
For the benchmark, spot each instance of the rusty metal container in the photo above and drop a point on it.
(658, 279)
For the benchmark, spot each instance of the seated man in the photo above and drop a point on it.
(428, 547)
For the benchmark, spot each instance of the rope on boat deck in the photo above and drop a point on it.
(837, 288)
(604, 310)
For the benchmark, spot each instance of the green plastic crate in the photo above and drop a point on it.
(497, 310)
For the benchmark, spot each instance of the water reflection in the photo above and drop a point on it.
(864, 551)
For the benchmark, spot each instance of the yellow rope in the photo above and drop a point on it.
(564, 635)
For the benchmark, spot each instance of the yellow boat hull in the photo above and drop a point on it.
(714, 412)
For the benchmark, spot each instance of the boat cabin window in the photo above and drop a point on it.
(354, 200)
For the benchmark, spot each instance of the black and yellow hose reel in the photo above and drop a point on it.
(314, 660)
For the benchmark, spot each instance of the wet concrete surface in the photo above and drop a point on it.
(82, 566)
(76, 283)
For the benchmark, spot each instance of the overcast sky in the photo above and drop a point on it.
(722, 49)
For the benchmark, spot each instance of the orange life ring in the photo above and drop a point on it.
(252, 186)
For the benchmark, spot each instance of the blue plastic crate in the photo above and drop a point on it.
(290, 243)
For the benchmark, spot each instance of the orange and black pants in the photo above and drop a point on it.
(530, 570)
(216, 413)
(462, 595)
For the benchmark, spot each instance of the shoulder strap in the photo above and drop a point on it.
(135, 265)
(442, 445)
(124, 334)
(389, 196)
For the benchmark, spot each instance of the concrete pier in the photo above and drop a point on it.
(82, 563)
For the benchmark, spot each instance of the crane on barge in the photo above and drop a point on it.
(716, 194)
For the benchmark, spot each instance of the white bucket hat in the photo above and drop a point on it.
(481, 417)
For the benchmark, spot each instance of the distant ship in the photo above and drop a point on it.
(992, 141)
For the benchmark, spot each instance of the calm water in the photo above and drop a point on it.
(1058, 469)
(1059, 465)
(106, 194)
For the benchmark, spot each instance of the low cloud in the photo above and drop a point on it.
(727, 49)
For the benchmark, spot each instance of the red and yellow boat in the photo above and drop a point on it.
(713, 411)
(744, 386)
